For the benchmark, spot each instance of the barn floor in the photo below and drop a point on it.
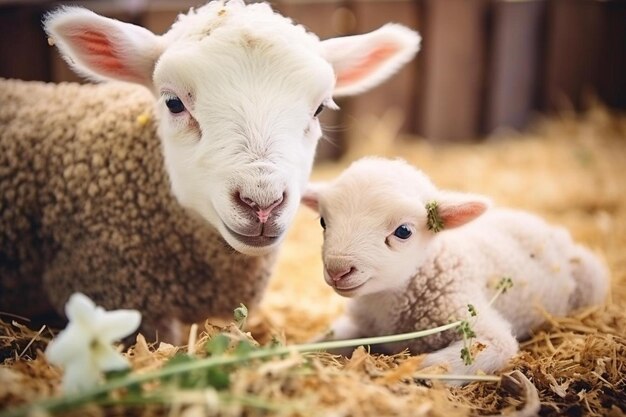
(571, 170)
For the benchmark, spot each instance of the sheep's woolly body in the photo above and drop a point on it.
(93, 195)
(86, 205)
(428, 279)
(464, 266)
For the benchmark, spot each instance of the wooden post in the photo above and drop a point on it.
(400, 90)
(24, 46)
(516, 48)
(455, 53)
(574, 51)
(612, 83)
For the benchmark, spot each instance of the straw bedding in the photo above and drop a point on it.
(569, 169)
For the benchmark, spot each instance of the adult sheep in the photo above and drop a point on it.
(92, 201)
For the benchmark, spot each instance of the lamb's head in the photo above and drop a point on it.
(239, 90)
(376, 223)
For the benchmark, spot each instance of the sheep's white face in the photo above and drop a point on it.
(239, 128)
(375, 224)
(374, 227)
(238, 92)
(370, 244)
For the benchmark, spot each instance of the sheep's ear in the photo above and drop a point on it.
(311, 196)
(455, 209)
(101, 48)
(364, 61)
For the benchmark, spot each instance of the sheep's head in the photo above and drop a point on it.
(239, 90)
(376, 225)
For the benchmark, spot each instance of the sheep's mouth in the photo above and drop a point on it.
(255, 241)
(348, 291)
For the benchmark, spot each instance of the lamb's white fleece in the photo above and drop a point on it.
(428, 279)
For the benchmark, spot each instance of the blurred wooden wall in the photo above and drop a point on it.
(484, 64)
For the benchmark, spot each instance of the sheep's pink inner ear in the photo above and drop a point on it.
(361, 62)
(458, 214)
(310, 199)
(367, 66)
(103, 48)
(311, 196)
(101, 55)
(98, 52)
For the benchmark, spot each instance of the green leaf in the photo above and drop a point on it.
(243, 348)
(505, 284)
(184, 379)
(241, 315)
(218, 378)
(466, 330)
(472, 310)
(466, 355)
(121, 374)
(217, 345)
(274, 343)
(178, 359)
(116, 374)
(434, 221)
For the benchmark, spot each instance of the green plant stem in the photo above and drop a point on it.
(63, 403)
(255, 402)
(467, 346)
(168, 397)
(496, 295)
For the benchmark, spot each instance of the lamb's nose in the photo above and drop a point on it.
(262, 212)
(337, 274)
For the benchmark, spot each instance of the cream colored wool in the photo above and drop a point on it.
(86, 206)
(399, 283)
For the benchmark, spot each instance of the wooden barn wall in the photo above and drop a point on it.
(484, 64)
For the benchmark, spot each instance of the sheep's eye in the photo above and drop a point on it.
(403, 232)
(319, 110)
(175, 105)
(322, 223)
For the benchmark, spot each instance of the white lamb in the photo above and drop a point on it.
(402, 276)
(92, 200)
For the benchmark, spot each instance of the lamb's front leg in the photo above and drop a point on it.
(341, 329)
(492, 348)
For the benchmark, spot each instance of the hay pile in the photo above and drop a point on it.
(570, 170)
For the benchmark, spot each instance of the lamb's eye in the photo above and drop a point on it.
(175, 105)
(403, 232)
(319, 110)
(322, 223)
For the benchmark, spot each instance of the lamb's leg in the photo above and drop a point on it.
(592, 279)
(341, 329)
(493, 346)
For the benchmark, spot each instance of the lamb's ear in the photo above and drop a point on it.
(311, 196)
(452, 210)
(364, 61)
(101, 48)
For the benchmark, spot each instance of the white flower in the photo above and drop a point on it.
(85, 348)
